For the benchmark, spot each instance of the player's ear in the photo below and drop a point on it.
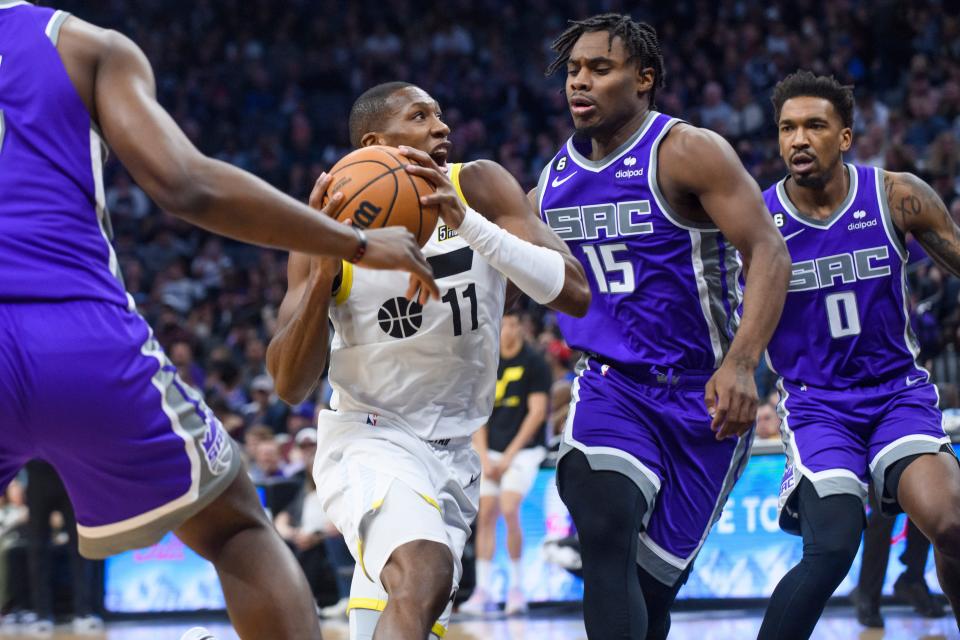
(646, 76)
(371, 138)
(846, 139)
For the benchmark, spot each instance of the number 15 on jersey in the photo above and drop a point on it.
(613, 273)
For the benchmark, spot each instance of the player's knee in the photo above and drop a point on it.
(419, 577)
(511, 510)
(602, 525)
(234, 512)
(832, 558)
(946, 534)
(487, 515)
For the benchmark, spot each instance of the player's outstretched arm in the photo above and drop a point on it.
(297, 354)
(702, 164)
(114, 78)
(916, 208)
(523, 248)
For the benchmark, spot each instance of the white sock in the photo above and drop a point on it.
(516, 574)
(484, 567)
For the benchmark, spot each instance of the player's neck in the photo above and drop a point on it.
(822, 200)
(604, 145)
(508, 351)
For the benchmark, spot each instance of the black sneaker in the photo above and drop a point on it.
(917, 594)
(868, 613)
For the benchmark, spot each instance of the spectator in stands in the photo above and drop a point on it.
(910, 586)
(268, 463)
(181, 355)
(14, 597)
(319, 547)
(264, 407)
(768, 422)
(253, 437)
(301, 416)
(715, 113)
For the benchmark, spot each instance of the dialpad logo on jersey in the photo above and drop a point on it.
(860, 215)
(445, 233)
(623, 174)
(400, 318)
(216, 449)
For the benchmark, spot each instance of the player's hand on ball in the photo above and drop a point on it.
(319, 191)
(445, 198)
(731, 398)
(387, 248)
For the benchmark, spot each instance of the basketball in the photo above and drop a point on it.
(379, 192)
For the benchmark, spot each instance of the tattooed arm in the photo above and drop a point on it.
(916, 208)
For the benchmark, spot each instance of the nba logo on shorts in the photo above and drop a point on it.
(216, 449)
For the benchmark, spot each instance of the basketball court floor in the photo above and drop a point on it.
(546, 624)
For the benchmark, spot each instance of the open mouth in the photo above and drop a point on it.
(802, 162)
(581, 105)
(440, 153)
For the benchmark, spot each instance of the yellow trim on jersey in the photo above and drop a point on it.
(360, 559)
(433, 503)
(455, 179)
(374, 604)
(346, 284)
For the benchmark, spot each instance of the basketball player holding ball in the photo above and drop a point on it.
(413, 379)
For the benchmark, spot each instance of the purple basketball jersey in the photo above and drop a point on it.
(54, 228)
(845, 322)
(665, 290)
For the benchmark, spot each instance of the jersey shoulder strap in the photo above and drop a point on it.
(455, 179)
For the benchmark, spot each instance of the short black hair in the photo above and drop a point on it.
(639, 38)
(369, 109)
(806, 83)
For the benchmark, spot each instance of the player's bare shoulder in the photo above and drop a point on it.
(484, 183)
(82, 45)
(908, 198)
(690, 156)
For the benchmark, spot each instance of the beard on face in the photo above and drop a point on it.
(811, 180)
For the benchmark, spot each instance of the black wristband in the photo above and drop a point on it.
(361, 246)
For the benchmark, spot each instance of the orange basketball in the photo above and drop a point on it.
(379, 192)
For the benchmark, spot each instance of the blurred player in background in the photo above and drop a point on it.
(395, 467)
(854, 402)
(656, 211)
(910, 586)
(511, 447)
(83, 383)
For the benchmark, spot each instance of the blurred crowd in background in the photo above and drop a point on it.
(267, 86)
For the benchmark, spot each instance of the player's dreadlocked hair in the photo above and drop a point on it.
(639, 37)
(805, 83)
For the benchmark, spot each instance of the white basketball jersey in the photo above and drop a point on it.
(432, 369)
